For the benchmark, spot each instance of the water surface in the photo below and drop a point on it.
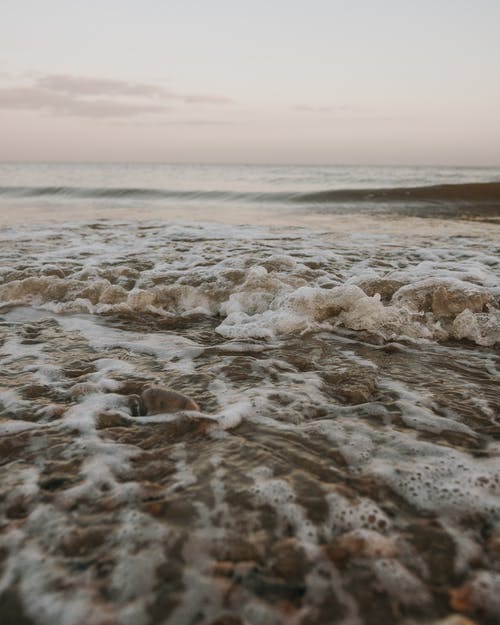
(344, 466)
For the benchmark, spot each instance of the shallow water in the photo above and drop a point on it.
(344, 467)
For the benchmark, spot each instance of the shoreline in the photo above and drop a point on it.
(344, 224)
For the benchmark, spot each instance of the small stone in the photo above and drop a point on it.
(158, 400)
(155, 508)
(235, 550)
(227, 620)
(494, 543)
(150, 490)
(223, 568)
(111, 420)
(336, 553)
(56, 482)
(289, 559)
(455, 619)
(461, 599)
(480, 594)
(80, 542)
(368, 544)
(17, 510)
(109, 503)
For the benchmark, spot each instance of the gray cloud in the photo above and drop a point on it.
(88, 86)
(35, 98)
(91, 86)
(86, 96)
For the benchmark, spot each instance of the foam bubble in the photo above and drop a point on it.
(346, 515)
(279, 495)
(400, 583)
(483, 329)
(268, 294)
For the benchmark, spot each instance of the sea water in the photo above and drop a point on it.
(344, 466)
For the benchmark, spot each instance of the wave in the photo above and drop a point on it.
(464, 192)
(468, 193)
(126, 193)
(262, 304)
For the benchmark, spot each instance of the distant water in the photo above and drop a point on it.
(327, 188)
(344, 468)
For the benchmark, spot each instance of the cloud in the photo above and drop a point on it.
(88, 85)
(175, 122)
(304, 108)
(87, 96)
(35, 98)
(203, 98)
(346, 113)
(91, 86)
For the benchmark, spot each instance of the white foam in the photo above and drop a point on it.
(417, 410)
(14, 350)
(45, 605)
(184, 475)
(134, 579)
(279, 495)
(346, 515)
(400, 583)
(265, 293)
(483, 329)
(17, 426)
(174, 351)
(309, 284)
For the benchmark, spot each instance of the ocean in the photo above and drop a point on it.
(79, 189)
(338, 329)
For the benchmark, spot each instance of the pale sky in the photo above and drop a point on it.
(312, 81)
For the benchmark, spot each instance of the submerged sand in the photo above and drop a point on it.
(344, 465)
(277, 217)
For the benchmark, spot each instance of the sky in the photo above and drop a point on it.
(310, 81)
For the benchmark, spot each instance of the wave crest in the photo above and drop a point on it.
(268, 304)
(472, 193)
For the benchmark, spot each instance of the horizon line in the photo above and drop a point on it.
(242, 164)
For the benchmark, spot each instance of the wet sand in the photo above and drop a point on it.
(278, 217)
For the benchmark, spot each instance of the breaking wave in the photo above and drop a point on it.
(266, 295)
(125, 193)
(470, 193)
